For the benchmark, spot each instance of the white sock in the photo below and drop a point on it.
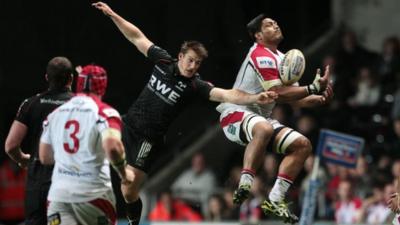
(246, 177)
(279, 190)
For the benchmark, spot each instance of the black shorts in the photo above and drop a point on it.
(36, 205)
(139, 151)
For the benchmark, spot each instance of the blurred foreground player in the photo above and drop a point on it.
(79, 137)
(26, 130)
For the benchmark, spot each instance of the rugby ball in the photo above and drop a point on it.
(292, 67)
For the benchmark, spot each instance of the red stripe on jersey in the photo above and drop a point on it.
(265, 63)
(107, 208)
(231, 118)
(113, 120)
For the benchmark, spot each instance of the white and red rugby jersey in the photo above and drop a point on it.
(81, 171)
(259, 72)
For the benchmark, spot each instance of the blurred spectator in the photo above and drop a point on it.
(12, 193)
(389, 62)
(269, 170)
(337, 174)
(374, 209)
(362, 177)
(348, 206)
(368, 89)
(217, 211)
(196, 184)
(234, 177)
(250, 210)
(307, 125)
(350, 56)
(232, 210)
(169, 209)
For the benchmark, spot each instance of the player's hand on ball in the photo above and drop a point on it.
(394, 203)
(266, 97)
(104, 8)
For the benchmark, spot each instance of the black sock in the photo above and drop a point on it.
(134, 211)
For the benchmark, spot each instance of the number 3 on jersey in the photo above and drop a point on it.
(75, 129)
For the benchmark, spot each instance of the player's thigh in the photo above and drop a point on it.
(100, 211)
(59, 213)
(286, 140)
(238, 126)
(140, 153)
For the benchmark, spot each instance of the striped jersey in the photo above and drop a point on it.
(81, 171)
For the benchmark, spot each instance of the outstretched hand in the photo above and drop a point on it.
(266, 97)
(325, 80)
(319, 84)
(104, 8)
(394, 203)
(327, 95)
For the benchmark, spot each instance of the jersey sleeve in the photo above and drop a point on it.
(46, 137)
(108, 118)
(266, 68)
(158, 55)
(23, 114)
(202, 87)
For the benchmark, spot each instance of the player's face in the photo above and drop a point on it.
(270, 31)
(189, 63)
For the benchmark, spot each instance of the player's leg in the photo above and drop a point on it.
(98, 211)
(297, 148)
(36, 204)
(130, 191)
(258, 132)
(139, 153)
(245, 127)
(59, 213)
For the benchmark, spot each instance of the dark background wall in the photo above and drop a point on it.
(32, 32)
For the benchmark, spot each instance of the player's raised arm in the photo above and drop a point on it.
(241, 98)
(130, 31)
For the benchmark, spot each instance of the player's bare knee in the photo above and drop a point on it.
(304, 146)
(263, 131)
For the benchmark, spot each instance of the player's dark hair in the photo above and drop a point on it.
(196, 46)
(59, 70)
(254, 25)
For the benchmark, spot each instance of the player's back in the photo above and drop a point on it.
(81, 171)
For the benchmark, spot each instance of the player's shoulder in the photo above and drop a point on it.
(262, 58)
(105, 110)
(259, 50)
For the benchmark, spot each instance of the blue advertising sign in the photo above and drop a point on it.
(339, 148)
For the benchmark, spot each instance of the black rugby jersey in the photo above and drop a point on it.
(32, 112)
(164, 96)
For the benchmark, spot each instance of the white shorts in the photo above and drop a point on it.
(98, 211)
(238, 125)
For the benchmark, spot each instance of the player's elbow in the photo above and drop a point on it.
(113, 148)
(10, 146)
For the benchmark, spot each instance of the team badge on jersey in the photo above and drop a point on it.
(265, 62)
